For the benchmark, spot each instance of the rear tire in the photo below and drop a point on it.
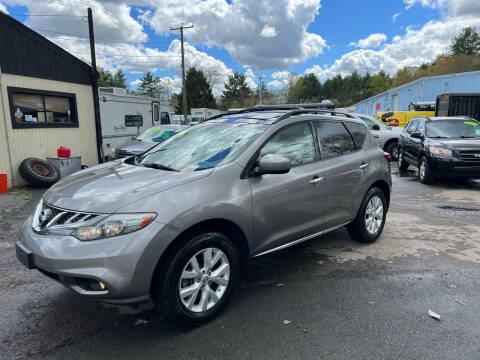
(187, 271)
(402, 164)
(392, 149)
(424, 172)
(370, 220)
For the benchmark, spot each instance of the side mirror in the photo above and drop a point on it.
(376, 127)
(273, 164)
(417, 135)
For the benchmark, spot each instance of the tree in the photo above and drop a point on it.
(199, 92)
(236, 88)
(467, 43)
(311, 88)
(107, 79)
(149, 85)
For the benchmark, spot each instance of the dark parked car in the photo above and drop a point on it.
(441, 147)
(146, 140)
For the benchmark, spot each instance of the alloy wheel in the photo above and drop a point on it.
(204, 280)
(374, 215)
(423, 169)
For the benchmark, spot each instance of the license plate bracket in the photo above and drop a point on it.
(24, 255)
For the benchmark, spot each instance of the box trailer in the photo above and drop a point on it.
(125, 115)
(454, 104)
(199, 114)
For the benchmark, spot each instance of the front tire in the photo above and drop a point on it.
(402, 164)
(370, 220)
(424, 172)
(197, 280)
(392, 149)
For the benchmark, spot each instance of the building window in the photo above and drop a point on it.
(38, 108)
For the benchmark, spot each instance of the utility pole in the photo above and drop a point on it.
(96, 103)
(181, 28)
(260, 88)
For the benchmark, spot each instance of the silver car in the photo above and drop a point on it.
(386, 137)
(174, 224)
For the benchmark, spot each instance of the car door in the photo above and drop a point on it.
(417, 144)
(345, 165)
(288, 207)
(407, 141)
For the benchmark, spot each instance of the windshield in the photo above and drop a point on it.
(156, 134)
(203, 146)
(453, 129)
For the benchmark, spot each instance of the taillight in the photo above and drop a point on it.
(387, 157)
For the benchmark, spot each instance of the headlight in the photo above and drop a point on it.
(117, 224)
(440, 151)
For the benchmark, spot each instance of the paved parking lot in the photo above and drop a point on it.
(341, 299)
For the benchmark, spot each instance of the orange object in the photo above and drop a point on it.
(3, 183)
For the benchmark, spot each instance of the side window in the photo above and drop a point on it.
(420, 127)
(368, 122)
(412, 125)
(134, 120)
(165, 119)
(359, 132)
(294, 142)
(155, 112)
(334, 139)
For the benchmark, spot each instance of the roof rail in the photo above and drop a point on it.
(295, 109)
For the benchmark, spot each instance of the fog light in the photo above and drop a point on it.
(91, 284)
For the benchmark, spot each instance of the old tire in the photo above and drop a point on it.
(424, 172)
(392, 149)
(402, 164)
(38, 172)
(370, 220)
(190, 294)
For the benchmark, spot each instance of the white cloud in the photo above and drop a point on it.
(3, 8)
(236, 27)
(281, 79)
(268, 32)
(395, 16)
(275, 83)
(413, 48)
(434, 4)
(372, 41)
(464, 7)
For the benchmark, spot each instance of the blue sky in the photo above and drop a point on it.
(257, 37)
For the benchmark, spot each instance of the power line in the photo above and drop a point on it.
(79, 16)
(123, 55)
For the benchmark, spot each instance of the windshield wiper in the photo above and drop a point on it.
(438, 137)
(159, 166)
(468, 137)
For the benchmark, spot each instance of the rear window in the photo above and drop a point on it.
(359, 132)
(334, 139)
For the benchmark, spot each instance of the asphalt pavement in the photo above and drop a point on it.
(327, 298)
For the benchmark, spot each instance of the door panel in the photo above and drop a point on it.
(288, 207)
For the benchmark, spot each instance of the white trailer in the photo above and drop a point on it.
(199, 114)
(124, 115)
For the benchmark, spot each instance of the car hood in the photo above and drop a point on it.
(136, 147)
(106, 188)
(456, 144)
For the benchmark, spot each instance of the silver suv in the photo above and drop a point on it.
(174, 224)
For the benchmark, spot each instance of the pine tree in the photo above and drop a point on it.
(236, 88)
(149, 85)
(199, 92)
(467, 43)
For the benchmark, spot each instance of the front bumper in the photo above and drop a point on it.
(125, 263)
(453, 167)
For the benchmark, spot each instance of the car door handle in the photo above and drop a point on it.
(316, 180)
(363, 166)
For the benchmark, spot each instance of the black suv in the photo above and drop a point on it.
(441, 147)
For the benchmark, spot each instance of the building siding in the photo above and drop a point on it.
(43, 142)
(27, 53)
(424, 89)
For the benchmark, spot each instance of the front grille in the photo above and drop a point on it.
(51, 216)
(470, 156)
